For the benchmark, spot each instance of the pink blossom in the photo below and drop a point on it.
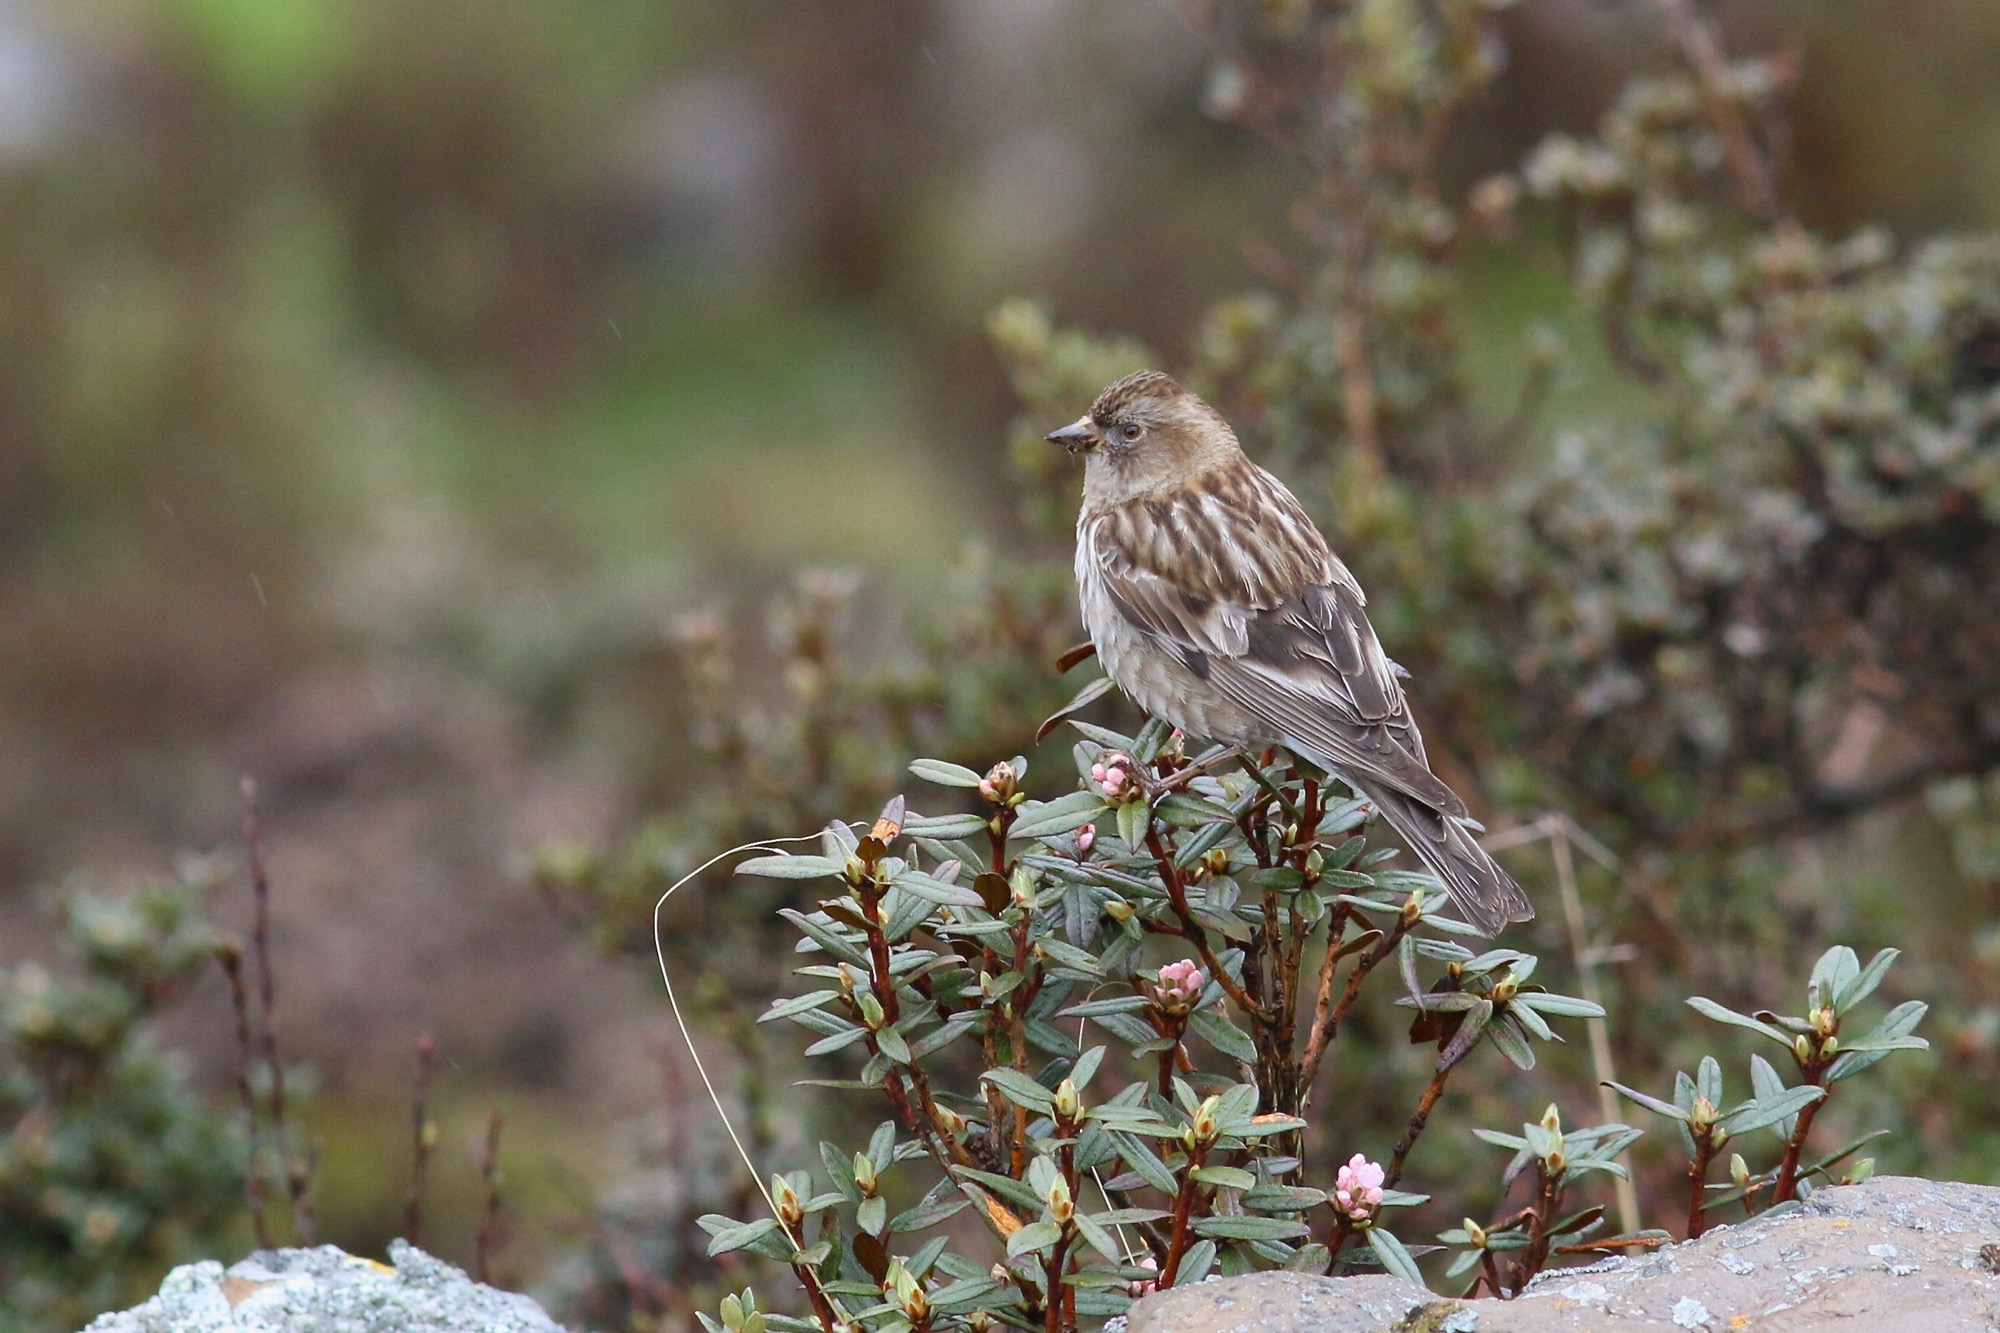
(1181, 983)
(1112, 777)
(1357, 1188)
(1145, 1286)
(1086, 837)
(988, 790)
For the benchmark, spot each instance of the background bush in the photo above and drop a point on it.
(415, 411)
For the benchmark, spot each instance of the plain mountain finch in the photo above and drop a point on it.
(1217, 606)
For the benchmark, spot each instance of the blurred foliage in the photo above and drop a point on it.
(113, 1164)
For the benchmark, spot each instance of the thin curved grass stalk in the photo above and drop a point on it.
(822, 1302)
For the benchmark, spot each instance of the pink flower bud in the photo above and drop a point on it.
(1357, 1188)
(1180, 984)
(1086, 838)
(988, 790)
(1145, 1286)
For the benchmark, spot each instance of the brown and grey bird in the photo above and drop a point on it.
(1218, 607)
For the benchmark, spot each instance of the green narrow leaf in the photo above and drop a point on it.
(1653, 1104)
(1708, 1080)
(944, 774)
(1065, 814)
(1837, 969)
(945, 826)
(741, 1236)
(1393, 1257)
(1249, 1228)
(1019, 1089)
(1865, 981)
(1223, 1035)
(1765, 1084)
(1708, 1008)
(1145, 1163)
(1509, 1041)
(790, 867)
(927, 1215)
(1767, 1111)
(1200, 1257)
(1032, 1237)
(1133, 817)
(1085, 697)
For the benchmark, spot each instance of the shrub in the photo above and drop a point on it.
(958, 950)
(112, 1165)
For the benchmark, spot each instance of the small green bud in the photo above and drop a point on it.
(1061, 1207)
(1413, 910)
(1475, 1233)
(1118, 910)
(1216, 860)
(864, 1174)
(1203, 1125)
(790, 1211)
(1067, 1103)
(871, 1011)
(1828, 1048)
(1802, 1048)
(1739, 1170)
(1315, 865)
(900, 1286)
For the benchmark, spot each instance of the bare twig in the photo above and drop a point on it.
(422, 1136)
(1749, 166)
(230, 955)
(298, 1166)
(1598, 1029)
(487, 1241)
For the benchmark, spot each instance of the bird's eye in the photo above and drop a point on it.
(1131, 430)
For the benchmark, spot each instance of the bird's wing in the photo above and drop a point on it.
(1232, 577)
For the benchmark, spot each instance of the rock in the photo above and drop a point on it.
(1282, 1301)
(307, 1291)
(1892, 1255)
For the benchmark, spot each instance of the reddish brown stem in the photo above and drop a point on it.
(486, 1242)
(1704, 1155)
(231, 958)
(420, 1142)
(1192, 932)
(1787, 1186)
(1184, 1202)
(297, 1166)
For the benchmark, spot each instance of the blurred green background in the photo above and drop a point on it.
(381, 383)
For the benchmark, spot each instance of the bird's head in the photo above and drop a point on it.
(1143, 434)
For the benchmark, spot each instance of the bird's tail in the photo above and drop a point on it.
(1486, 894)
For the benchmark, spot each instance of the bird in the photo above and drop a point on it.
(1216, 605)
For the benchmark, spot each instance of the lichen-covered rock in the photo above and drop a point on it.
(327, 1289)
(1893, 1255)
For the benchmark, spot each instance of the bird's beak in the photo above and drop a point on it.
(1079, 434)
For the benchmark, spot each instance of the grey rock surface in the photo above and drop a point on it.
(327, 1290)
(1892, 1255)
